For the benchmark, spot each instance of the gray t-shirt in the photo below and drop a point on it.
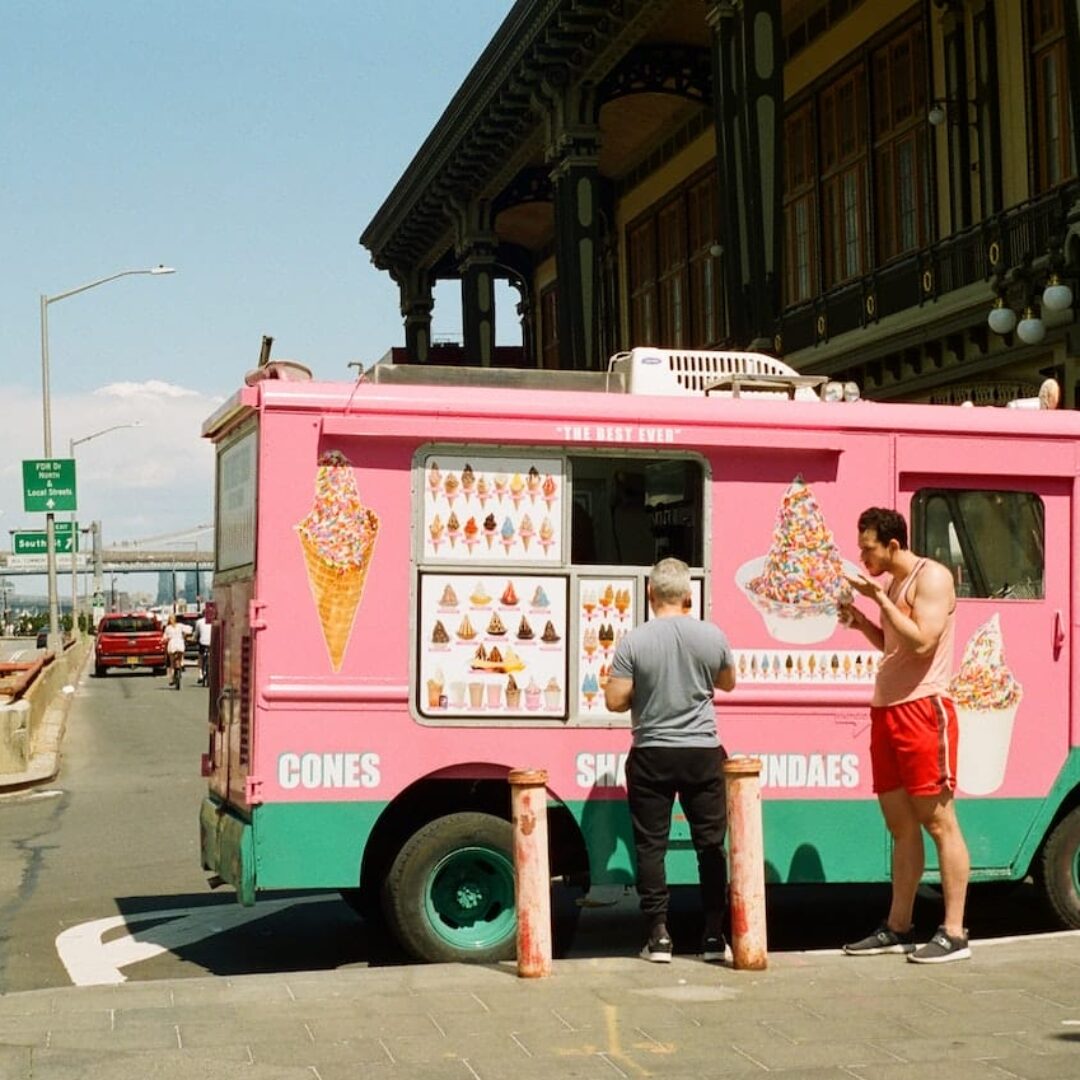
(674, 663)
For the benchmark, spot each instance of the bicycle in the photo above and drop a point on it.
(176, 662)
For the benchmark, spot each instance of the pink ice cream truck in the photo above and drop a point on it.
(421, 579)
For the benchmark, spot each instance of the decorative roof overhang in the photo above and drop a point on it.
(493, 127)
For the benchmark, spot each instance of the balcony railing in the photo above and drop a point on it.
(1003, 240)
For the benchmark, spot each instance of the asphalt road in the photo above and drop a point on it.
(115, 837)
(19, 649)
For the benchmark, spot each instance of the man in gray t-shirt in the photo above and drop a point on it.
(664, 672)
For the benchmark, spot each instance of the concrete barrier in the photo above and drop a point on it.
(22, 722)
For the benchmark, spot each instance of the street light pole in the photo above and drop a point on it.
(54, 641)
(72, 443)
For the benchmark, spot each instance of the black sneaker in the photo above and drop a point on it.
(714, 948)
(881, 941)
(658, 948)
(942, 948)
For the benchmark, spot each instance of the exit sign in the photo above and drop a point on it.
(31, 542)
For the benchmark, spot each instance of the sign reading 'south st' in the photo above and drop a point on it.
(36, 543)
(49, 485)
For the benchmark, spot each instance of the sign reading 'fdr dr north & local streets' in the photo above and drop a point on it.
(49, 485)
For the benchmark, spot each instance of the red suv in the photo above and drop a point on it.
(132, 640)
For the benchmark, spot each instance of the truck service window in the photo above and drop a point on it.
(632, 511)
(992, 541)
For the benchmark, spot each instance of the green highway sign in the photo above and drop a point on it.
(49, 485)
(34, 542)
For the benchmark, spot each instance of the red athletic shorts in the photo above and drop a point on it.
(913, 746)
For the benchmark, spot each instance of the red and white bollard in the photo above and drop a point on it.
(749, 947)
(532, 875)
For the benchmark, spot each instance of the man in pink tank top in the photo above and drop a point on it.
(913, 732)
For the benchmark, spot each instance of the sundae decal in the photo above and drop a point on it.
(986, 697)
(798, 585)
(338, 538)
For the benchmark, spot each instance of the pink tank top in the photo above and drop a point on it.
(903, 676)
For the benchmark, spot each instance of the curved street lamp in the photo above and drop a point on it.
(72, 443)
(54, 641)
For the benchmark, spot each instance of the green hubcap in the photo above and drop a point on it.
(469, 899)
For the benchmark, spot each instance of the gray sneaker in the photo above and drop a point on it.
(882, 941)
(942, 948)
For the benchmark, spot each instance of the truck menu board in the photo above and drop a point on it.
(492, 645)
(489, 510)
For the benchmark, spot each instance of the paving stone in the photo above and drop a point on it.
(15, 1062)
(936, 1070)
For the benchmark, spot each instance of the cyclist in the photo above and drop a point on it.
(173, 639)
(203, 633)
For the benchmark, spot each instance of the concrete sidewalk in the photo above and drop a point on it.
(1011, 1011)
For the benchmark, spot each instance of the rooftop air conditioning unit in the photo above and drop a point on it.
(677, 372)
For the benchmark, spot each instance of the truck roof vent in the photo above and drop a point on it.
(699, 373)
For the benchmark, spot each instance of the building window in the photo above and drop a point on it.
(800, 240)
(843, 162)
(642, 247)
(1054, 157)
(675, 294)
(832, 148)
(549, 328)
(705, 294)
(671, 240)
(900, 145)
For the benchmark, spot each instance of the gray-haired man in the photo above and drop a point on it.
(665, 672)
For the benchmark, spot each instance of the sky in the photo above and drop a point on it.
(245, 144)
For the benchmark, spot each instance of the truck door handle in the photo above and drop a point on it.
(1059, 634)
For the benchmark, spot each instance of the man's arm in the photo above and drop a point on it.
(852, 617)
(617, 693)
(725, 679)
(933, 600)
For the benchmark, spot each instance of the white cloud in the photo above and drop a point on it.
(138, 481)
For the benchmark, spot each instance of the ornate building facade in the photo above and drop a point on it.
(863, 188)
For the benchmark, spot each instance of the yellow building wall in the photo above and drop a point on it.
(1013, 95)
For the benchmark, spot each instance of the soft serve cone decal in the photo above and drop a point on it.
(987, 698)
(338, 538)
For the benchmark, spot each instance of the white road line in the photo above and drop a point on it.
(91, 962)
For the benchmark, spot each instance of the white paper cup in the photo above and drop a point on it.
(983, 753)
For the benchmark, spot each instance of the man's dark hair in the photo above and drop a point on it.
(887, 525)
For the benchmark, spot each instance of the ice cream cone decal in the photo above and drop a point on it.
(337, 538)
(517, 488)
(548, 489)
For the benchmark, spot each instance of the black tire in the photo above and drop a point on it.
(448, 897)
(1060, 869)
(159, 671)
(100, 670)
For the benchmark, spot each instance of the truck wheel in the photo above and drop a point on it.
(100, 670)
(449, 896)
(1061, 869)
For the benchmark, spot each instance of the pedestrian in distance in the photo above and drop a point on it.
(204, 630)
(913, 732)
(665, 672)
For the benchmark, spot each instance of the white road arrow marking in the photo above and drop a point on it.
(89, 961)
